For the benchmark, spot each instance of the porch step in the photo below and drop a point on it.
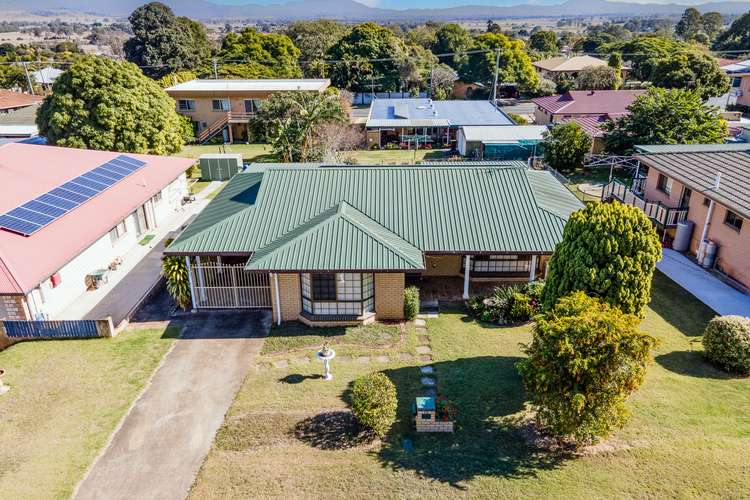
(428, 308)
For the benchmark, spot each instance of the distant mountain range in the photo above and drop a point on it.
(349, 10)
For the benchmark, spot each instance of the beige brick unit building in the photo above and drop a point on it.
(333, 245)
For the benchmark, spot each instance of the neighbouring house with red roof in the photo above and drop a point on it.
(11, 101)
(588, 108)
(67, 214)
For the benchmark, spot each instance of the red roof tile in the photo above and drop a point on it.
(589, 102)
(27, 171)
(12, 100)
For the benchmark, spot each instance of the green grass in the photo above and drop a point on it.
(249, 152)
(147, 239)
(688, 436)
(66, 399)
(398, 156)
(198, 186)
(212, 194)
(297, 336)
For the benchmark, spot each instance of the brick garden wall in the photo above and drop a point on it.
(13, 307)
(389, 296)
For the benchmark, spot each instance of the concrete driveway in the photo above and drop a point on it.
(163, 440)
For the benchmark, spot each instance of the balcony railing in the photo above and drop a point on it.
(661, 214)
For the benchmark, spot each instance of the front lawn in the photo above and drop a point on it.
(65, 401)
(296, 336)
(288, 432)
(249, 152)
(396, 156)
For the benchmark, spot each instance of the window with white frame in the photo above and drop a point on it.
(220, 104)
(337, 294)
(118, 232)
(186, 105)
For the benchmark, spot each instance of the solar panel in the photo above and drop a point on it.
(46, 208)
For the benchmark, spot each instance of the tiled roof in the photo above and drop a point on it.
(12, 100)
(430, 113)
(27, 171)
(384, 213)
(697, 166)
(589, 102)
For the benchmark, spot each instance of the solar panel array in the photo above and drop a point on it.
(45, 209)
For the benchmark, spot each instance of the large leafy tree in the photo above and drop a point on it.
(543, 41)
(690, 24)
(585, 358)
(356, 69)
(514, 62)
(598, 78)
(593, 43)
(565, 146)
(712, 24)
(289, 120)
(250, 54)
(691, 70)
(661, 116)
(644, 51)
(737, 37)
(164, 43)
(608, 250)
(452, 39)
(314, 39)
(104, 104)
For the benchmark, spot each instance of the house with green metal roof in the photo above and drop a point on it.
(329, 244)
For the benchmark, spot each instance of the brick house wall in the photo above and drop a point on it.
(289, 296)
(389, 296)
(14, 307)
(443, 265)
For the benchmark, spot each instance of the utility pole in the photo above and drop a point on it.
(494, 81)
(28, 77)
(216, 70)
(432, 76)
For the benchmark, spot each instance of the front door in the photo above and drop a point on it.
(141, 225)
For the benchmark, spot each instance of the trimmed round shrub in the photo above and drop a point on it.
(521, 308)
(726, 343)
(374, 402)
(411, 302)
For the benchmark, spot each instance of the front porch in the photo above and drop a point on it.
(665, 217)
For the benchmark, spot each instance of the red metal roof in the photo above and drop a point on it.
(590, 124)
(12, 100)
(28, 170)
(589, 102)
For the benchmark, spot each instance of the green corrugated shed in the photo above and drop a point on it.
(220, 167)
(376, 217)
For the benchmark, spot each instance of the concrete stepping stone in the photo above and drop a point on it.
(261, 367)
(382, 359)
(404, 356)
(428, 315)
(363, 359)
(425, 357)
(427, 381)
(420, 322)
(427, 370)
(423, 349)
(423, 339)
(301, 361)
(343, 359)
(280, 363)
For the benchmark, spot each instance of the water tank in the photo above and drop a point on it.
(682, 236)
(710, 257)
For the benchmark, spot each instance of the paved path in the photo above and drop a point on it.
(163, 440)
(717, 295)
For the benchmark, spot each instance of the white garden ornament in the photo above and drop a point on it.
(326, 354)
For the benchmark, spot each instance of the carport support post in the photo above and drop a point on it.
(190, 280)
(467, 271)
(532, 269)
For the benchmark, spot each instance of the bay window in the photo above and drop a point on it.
(337, 294)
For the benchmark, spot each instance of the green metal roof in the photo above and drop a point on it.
(376, 217)
(316, 246)
(693, 148)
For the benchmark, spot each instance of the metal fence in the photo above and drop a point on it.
(220, 286)
(60, 329)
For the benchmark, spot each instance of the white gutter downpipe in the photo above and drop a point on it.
(467, 271)
(278, 300)
(532, 269)
(190, 280)
(707, 224)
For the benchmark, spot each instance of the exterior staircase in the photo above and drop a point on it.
(219, 125)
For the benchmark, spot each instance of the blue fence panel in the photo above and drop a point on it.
(62, 329)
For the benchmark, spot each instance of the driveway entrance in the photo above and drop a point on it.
(163, 440)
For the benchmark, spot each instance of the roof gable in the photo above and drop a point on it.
(369, 246)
